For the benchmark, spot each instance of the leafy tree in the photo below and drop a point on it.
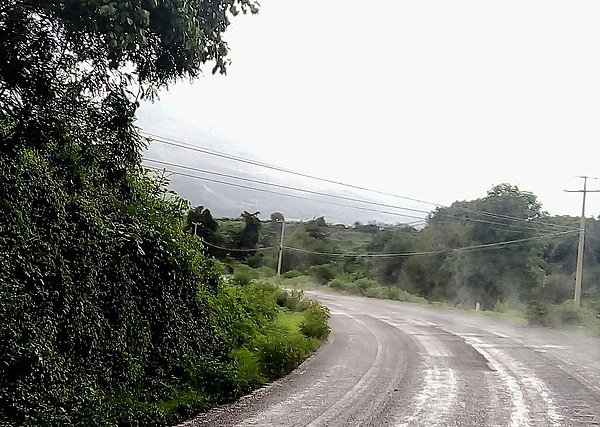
(487, 276)
(201, 216)
(248, 236)
(199, 220)
(391, 241)
(316, 228)
(313, 237)
(106, 305)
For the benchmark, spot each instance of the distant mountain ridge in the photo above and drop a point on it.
(229, 201)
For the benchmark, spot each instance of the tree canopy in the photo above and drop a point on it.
(107, 306)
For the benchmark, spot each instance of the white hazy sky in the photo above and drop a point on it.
(437, 100)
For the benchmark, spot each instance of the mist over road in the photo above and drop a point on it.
(395, 364)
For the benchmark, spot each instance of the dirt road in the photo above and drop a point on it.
(394, 364)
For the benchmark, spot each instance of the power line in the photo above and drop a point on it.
(432, 252)
(238, 250)
(286, 187)
(503, 225)
(392, 255)
(263, 190)
(176, 143)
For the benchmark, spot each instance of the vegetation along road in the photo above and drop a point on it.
(395, 364)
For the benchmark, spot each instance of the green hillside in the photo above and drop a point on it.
(501, 251)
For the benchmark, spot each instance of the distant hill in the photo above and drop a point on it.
(199, 187)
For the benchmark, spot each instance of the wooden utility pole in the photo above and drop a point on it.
(279, 260)
(581, 245)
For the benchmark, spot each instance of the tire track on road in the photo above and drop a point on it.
(359, 387)
(382, 383)
(531, 397)
(439, 384)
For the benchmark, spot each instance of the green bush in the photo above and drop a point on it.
(105, 300)
(248, 371)
(555, 288)
(338, 284)
(291, 274)
(508, 306)
(292, 300)
(372, 289)
(501, 307)
(255, 261)
(303, 282)
(323, 273)
(261, 297)
(266, 272)
(441, 304)
(394, 293)
(593, 305)
(560, 315)
(244, 275)
(263, 346)
(363, 284)
(377, 292)
(315, 324)
(279, 352)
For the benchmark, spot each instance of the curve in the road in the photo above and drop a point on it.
(393, 364)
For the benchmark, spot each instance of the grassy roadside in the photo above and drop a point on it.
(277, 332)
(562, 316)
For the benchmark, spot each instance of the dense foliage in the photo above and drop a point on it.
(453, 263)
(110, 314)
(99, 294)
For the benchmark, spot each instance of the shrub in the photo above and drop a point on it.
(244, 275)
(248, 373)
(559, 315)
(292, 300)
(265, 271)
(555, 289)
(415, 299)
(291, 274)
(507, 306)
(255, 261)
(337, 284)
(109, 294)
(350, 287)
(304, 282)
(441, 304)
(594, 306)
(394, 293)
(364, 283)
(315, 324)
(323, 273)
(279, 352)
(501, 307)
(377, 292)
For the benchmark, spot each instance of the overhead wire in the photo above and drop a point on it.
(264, 190)
(393, 255)
(176, 143)
(503, 225)
(267, 248)
(286, 187)
(431, 252)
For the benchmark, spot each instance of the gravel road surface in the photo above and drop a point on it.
(394, 364)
